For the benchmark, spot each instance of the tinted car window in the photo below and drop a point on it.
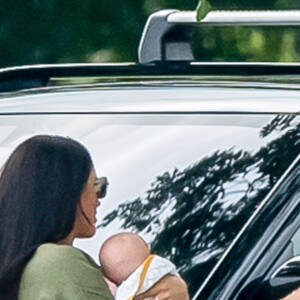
(186, 183)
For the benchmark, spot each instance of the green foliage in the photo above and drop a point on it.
(58, 31)
(203, 8)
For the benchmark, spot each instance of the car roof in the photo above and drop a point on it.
(151, 88)
(180, 96)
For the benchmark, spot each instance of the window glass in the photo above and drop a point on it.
(185, 183)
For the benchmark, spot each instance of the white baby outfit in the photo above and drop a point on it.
(144, 277)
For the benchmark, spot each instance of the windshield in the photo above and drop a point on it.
(185, 183)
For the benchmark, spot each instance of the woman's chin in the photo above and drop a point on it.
(91, 232)
(87, 232)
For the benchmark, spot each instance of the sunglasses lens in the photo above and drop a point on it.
(101, 187)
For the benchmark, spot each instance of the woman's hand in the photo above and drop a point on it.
(169, 287)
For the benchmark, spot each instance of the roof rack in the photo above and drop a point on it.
(166, 33)
(37, 76)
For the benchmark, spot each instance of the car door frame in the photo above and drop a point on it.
(253, 254)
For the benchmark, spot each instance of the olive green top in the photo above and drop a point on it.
(62, 272)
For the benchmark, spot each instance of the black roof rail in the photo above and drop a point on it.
(166, 33)
(38, 76)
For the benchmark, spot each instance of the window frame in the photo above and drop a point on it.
(246, 261)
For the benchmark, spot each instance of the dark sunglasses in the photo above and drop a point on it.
(101, 186)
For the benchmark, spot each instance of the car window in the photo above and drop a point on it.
(186, 183)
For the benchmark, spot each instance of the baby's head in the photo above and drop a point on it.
(121, 254)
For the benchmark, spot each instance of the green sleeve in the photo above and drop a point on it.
(62, 272)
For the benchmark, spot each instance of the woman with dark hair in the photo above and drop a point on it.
(47, 199)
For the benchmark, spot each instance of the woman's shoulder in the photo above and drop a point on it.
(56, 253)
(57, 250)
(52, 259)
(62, 268)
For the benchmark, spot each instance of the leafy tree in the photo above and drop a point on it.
(57, 31)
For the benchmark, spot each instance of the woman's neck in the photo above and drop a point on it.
(68, 240)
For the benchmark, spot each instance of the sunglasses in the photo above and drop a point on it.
(101, 186)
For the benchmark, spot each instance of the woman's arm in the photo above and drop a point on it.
(169, 287)
(293, 296)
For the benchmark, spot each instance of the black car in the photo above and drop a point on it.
(202, 158)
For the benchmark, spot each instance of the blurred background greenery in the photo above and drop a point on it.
(58, 31)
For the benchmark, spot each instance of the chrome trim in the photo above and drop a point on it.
(63, 66)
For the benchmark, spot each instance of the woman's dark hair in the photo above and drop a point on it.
(40, 187)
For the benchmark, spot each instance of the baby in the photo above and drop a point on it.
(126, 261)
